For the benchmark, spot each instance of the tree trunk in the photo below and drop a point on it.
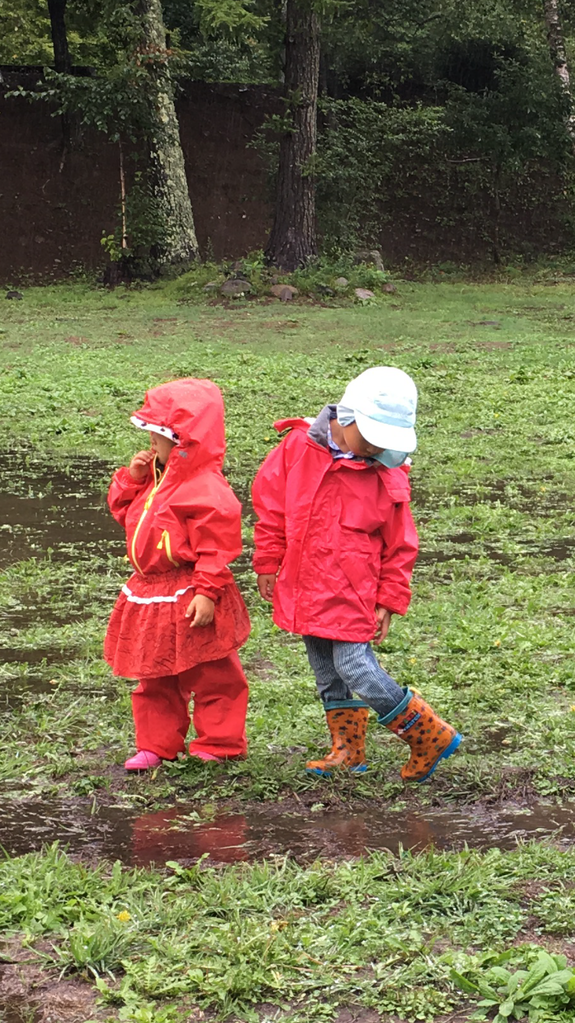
(62, 63)
(559, 57)
(293, 238)
(57, 10)
(178, 245)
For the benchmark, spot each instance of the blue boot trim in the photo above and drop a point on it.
(455, 742)
(343, 704)
(359, 769)
(388, 718)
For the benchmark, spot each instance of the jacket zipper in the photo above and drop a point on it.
(329, 468)
(149, 500)
(165, 543)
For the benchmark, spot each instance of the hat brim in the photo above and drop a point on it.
(382, 435)
(163, 431)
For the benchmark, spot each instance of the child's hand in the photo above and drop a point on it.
(266, 584)
(201, 611)
(383, 622)
(140, 464)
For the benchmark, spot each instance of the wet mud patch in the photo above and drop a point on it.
(54, 507)
(93, 832)
(467, 546)
(543, 495)
(38, 655)
(31, 994)
(25, 678)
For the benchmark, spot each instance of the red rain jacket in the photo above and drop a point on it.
(341, 534)
(190, 515)
(183, 527)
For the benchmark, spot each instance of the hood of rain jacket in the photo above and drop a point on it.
(194, 409)
(338, 532)
(186, 514)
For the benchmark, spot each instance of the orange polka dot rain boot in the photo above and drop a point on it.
(429, 738)
(347, 722)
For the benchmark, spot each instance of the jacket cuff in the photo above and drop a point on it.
(205, 591)
(125, 480)
(394, 606)
(269, 567)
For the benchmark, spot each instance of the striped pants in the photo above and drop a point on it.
(342, 669)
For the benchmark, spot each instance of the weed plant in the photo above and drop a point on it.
(399, 935)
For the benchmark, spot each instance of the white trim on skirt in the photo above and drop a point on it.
(133, 599)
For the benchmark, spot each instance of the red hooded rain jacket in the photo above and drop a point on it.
(339, 532)
(183, 528)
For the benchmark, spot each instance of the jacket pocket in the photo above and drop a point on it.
(166, 546)
(355, 540)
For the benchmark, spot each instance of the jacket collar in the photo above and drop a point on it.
(318, 432)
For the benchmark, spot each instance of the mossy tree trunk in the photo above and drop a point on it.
(178, 245)
(559, 58)
(293, 238)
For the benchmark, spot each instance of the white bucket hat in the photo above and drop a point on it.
(164, 431)
(384, 402)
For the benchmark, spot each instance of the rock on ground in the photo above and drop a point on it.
(284, 291)
(370, 256)
(235, 288)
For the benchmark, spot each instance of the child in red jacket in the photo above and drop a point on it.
(180, 619)
(335, 549)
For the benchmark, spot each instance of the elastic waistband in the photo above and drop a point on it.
(175, 577)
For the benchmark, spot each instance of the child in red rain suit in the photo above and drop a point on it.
(180, 619)
(335, 548)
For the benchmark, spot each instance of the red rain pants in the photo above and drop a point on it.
(220, 691)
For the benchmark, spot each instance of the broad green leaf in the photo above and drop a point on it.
(570, 986)
(500, 973)
(548, 961)
(536, 974)
(462, 982)
(487, 991)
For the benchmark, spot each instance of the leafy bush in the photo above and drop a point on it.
(546, 987)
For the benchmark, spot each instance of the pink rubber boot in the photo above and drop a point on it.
(200, 755)
(143, 761)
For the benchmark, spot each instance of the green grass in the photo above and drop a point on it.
(488, 640)
(382, 933)
(488, 637)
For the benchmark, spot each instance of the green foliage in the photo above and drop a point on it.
(231, 938)
(226, 41)
(537, 993)
(234, 17)
(450, 109)
(364, 151)
(25, 36)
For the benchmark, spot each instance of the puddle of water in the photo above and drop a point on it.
(17, 655)
(57, 508)
(541, 495)
(177, 834)
(559, 550)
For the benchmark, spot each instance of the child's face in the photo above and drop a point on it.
(358, 444)
(161, 446)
